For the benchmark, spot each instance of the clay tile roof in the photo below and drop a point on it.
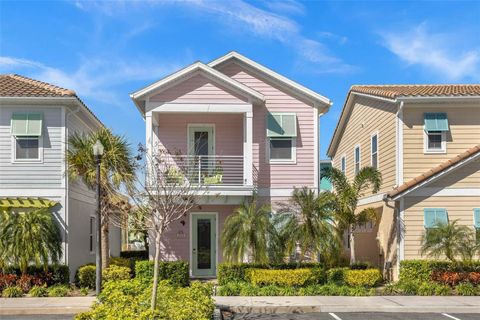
(445, 165)
(14, 85)
(431, 90)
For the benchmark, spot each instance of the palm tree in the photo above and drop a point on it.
(449, 239)
(29, 237)
(306, 223)
(116, 170)
(248, 233)
(346, 195)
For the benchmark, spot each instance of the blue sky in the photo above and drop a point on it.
(107, 49)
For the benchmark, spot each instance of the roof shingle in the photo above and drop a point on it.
(14, 85)
(430, 173)
(431, 90)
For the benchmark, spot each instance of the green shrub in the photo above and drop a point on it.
(336, 276)
(38, 291)
(390, 289)
(86, 276)
(12, 292)
(130, 299)
(84, 291)
(114, 273)
(421, 270)
(137, 255)
(58, 290)
(230, 289)
(55, 273)
(364, 278)
(408, 287)
(121, 262)
(428, 289)
(360, 265)
(289, 278)
(467, 289)
(443, 290)
(177, 272)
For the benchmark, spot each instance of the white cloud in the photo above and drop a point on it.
(286, 6)
(436, 52)
(97, 79)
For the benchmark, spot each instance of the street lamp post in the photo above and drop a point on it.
(98, 153)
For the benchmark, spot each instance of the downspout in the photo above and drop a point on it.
(399, 181)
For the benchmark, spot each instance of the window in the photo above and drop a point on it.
(374, 147)
(343, 164)
(26, 130)
(476, 223)
(281, 134)
(91, 235)
(435, 126)
(281, 149)
(432, 217)
(357, 159)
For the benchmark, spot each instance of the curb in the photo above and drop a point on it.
(42, 311)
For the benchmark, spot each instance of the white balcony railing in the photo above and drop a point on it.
(213, 170)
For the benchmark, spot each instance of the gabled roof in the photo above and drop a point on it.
(278, 78)
(198, 67)
(14, 85)
(418, 90)
(467, 156)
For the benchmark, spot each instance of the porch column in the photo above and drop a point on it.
(247, 148)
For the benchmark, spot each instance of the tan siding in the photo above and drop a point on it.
(467, 176)
(464, 133)
(367, 117)
(457, 207)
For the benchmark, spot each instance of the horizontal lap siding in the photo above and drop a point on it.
(369, 116)
(198, 89)
(457, 208)
(172, 131)
(32, 175)
(464, 133)
(278, 175)
(467, 176)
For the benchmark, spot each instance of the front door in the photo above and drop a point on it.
(201, 141)
(204, 244)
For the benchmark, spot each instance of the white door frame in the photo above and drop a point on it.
(191, 127)
(190, 249)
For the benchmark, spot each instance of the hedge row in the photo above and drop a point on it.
(177, 272)
(53, 275)
(422, 270)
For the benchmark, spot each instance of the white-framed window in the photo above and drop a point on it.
(374, 150)
(27, 142)
(343, 164)
(357, 159)
(435, 142)
(91, 235)
(281, 150)
(27, 149)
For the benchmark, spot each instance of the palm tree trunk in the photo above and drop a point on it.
(352, 245)
(105, 242)
(153, 303)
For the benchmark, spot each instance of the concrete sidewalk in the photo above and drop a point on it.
(451, 304)
(29, 306)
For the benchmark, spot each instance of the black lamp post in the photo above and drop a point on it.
(98, 153)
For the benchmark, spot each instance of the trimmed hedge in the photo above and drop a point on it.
(421, 270)
(54, 274)
(114, 273)
(138, 255)
(336, 276)
(86, 275)
(177, 272)
(234, 272)
(289, 278)
(363, 278)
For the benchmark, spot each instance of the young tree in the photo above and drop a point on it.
(346, 195)
(169, 192)
(117, 170)
(306, 223)
(449, 239)
(248, 232)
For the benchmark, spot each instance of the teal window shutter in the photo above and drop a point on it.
(476, 218)
(435, 121)
(434, 216)
(26, 124)
(281, 125)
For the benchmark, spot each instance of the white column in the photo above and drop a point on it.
(149, 132)
(248, 148)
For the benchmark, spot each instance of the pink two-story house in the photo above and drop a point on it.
(262, 127)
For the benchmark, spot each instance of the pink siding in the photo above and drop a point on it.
(198, 89)
(172, 131)
(279, 175)
(176, 244)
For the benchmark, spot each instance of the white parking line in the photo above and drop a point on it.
(451, 317)
(334, 316)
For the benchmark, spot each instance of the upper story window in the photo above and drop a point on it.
(436, 127)
(374, 147)
(26, 130)
(343, 164)
(433, 217)
(281, 137)
(357, 159)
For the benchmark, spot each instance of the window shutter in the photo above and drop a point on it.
(434, 216)
(476, 218)
(281, 125)
(26, 124)
(435, 122)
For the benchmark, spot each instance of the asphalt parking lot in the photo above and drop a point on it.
(357, 316)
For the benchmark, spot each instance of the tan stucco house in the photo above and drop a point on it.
(425, 141)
